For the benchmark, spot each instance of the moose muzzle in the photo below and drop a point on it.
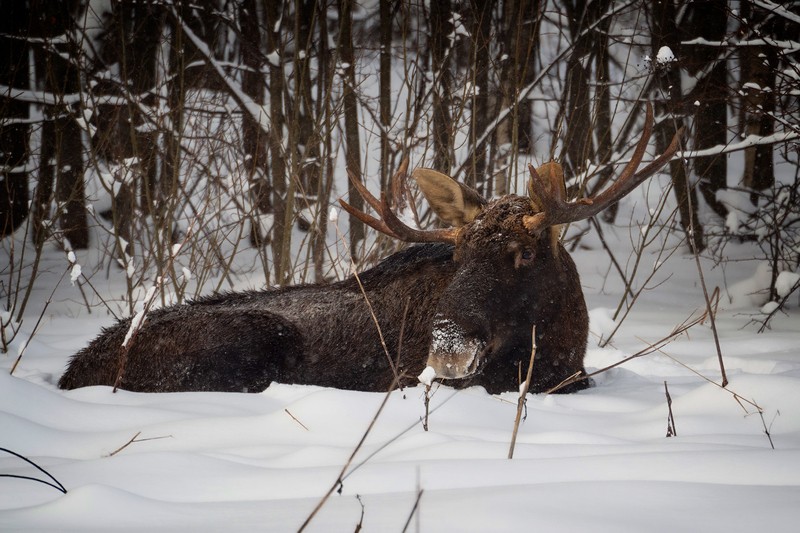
(453, 353)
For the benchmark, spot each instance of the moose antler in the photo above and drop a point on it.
(556, 210)
(389, 224)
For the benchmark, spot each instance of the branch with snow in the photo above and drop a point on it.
(258, 112)
(750, 140)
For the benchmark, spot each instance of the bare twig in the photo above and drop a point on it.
(427, 407)
(523, 392)
(671, 431)
(134, 439)
(413, 509)
(296, 420)
(55, 484)
(360, 520)
(767, 429)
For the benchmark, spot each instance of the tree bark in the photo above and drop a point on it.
(324, 88)
(254, 142)
(441, 30)
(14, 130)
(513, 135)
(709, 98)
(352, 143)
(385, 98)
(479, 120)
(273, 16)
(758, 87)
(668, 104)
(57, 65)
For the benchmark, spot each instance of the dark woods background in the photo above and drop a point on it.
(219, 126)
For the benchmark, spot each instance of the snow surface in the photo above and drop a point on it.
(597, 460)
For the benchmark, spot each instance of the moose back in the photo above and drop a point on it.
(462, 302)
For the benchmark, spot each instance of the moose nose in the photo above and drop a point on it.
(453, 353)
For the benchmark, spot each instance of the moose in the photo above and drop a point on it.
(460, 303)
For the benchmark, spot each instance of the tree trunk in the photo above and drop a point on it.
(254, 143)
(513, 135)
(141, 23)
(14, 149)
(668, 102)
(758, 87)
(578, 142)
(352, 143)
(708, 21)
(602, 127)
(324, 88)
(309, 137)
(481, 35)
(385, 97)
(441, 31)
(57, 64)
(273, 16)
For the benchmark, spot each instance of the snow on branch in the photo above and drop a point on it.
(786, 45)
(750, 140)
(776, 9)
(258, 112)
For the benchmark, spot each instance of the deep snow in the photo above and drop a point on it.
(597, 460)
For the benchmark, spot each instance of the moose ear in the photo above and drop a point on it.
(552, 176)
(453, 202)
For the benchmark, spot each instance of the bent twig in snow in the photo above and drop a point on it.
(55, 484)
(523, 392)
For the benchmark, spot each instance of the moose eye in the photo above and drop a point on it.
(524, 257)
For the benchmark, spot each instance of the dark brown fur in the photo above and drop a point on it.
(324, 334)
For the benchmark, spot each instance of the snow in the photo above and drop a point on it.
(75, 273)
(597, 460)
(786, 283)
(665, 56)
(427, 376)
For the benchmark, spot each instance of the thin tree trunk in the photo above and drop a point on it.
(758, 67)
(668, 102)
(141, 23)
(273, 16)
(253, 138)
(482, 24)
(385, 97)
(578, 142)
(602, 126)
(14, 150)
(324, 88)
(58, 66)
(308, 141)
(441, 30)
(709, 21)
(352, 143)
(513, 135)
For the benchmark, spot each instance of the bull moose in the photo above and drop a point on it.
(462, 301)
